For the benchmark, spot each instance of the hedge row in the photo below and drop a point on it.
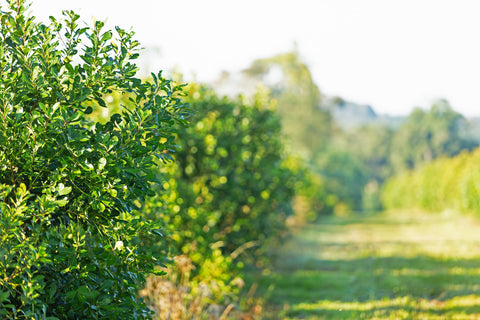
(446, 183)
(228, 192)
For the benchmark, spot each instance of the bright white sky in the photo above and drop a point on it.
(393, 55)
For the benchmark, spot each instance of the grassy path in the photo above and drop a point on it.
(395, 266)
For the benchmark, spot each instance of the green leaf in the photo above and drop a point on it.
(62, 190)
(107, 36)
(113, 192)
(101, 102)
(4, 296)
(71, 294)
(52, 291)
(157, 232)
(62, 203)
(101, 164)
(159, 272)
(54, 108)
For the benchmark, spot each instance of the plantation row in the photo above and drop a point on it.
(105, 178)
(227, 194)
(445, 183)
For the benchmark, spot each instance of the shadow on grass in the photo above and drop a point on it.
(418, 263)
(357, 283)
(375, 278)
(370, 287)
(404, 311)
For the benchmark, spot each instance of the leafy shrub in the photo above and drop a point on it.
(230, 172)
(70, 235)
(311, 199)
(228, 193)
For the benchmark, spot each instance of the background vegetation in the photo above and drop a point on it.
(444, 184)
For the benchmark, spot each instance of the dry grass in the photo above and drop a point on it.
(177, 296)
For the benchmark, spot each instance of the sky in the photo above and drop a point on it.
(392, 55)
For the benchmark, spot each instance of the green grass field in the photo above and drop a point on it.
(393, 266)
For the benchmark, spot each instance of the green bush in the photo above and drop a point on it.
(311, 199)
(228, 191)
(70, 234)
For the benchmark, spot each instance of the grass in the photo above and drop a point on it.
(393, 266)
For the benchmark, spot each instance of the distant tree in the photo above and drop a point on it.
(344, 177)
(307, 126)
(371, 145)
(425, 136)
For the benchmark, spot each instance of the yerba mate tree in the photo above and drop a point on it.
(70, 235)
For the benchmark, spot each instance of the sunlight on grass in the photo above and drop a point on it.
(394, 266)
(397, 308)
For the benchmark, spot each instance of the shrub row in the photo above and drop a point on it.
(228, 193)
(446, 183)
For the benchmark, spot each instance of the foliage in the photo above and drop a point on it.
(378, 152)
(177, 297)
(446, 183)
(344, 177)
(352, 164)
(372, 146)
(311, 197)
(343, 162)
(425, 136)
(227, 195)
(355, 165)
(70, 235)
(308, 127)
